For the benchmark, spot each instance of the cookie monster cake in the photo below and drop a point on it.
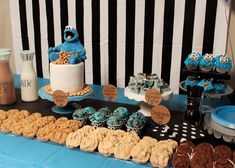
(67, 66)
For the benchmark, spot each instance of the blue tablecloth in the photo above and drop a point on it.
(19, 152)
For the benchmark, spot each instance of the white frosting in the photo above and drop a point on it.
(68, 77)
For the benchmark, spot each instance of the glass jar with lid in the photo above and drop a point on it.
(7, 89)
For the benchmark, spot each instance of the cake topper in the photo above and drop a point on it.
(71, 45)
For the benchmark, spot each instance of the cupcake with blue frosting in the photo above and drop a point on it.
(220, 87)
(138, 116)
(206, 62)
(115, 122)
(81, 116)
(121, 112)
(89, 110)
(223, 63)
(190, 81)
(193, 60)
(136, 122)
(97, 119)
(207, 85)
(106, 112)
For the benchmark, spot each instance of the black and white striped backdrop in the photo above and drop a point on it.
(122, 37)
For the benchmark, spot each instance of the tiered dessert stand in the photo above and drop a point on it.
(208, 75)
(220, 121)
(67, 109)
(206, 96)
(145, 108)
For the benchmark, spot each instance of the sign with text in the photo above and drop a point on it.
(153, 97)
(60, 98)
(160, 114)
(110, 92)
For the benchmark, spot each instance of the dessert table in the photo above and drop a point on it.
(18, 151)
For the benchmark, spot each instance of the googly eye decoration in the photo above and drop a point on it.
(194, 57)
(68, 27)
(208, 57)
(224, 59)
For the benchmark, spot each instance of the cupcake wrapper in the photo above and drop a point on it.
(137, 130)
(206, 69)
(82, 120)
(191, 67)
(221, 70)
(114, 127)
(96, 125)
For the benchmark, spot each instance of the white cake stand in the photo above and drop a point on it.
(145, 108)
(62, 110)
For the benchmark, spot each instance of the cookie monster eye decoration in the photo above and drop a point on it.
(224, 60)
(194, 57)
(208, 57)
(72, 45)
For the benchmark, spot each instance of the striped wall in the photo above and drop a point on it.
(122, 37)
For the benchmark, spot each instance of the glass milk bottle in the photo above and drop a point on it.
(29, 86)
(7, 89)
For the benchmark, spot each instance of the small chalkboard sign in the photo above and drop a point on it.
(153, 97)
(110, 92)
(160, 114)
(60, 98)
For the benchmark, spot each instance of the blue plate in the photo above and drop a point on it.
(49, 97)
(225, 116)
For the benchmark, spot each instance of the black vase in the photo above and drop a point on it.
(192, 113)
